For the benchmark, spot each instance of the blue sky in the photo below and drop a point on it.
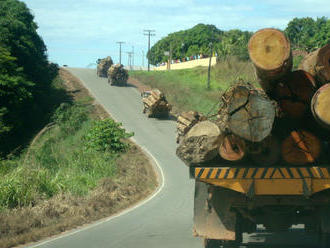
(78, 32)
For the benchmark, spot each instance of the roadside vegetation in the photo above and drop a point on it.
(79, 168)
(187, 89)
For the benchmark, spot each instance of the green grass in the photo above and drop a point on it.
(187, 89)
(58, 162)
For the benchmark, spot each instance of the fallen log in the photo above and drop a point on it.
(301, 147)
(200, 144)
(294, 93)
(232, 148)
(320, 105)
(270, 52)
(247, 112)
(317, 63)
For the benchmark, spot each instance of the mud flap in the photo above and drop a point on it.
(212, 216)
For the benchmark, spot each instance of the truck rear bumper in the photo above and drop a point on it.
(266, 181)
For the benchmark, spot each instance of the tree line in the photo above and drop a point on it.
(304, 33)
(25, 72)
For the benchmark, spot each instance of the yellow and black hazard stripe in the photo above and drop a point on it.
(262, 173)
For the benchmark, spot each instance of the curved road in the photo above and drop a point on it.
(165, 221)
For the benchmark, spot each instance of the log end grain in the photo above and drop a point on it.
(321, 106)
(301, 147)
(232, 148)
(269, 49)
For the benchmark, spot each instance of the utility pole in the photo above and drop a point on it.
(149, 32)
(142, 58)
(120, 42)
(133, 57)
(209, 70)
(129, 60)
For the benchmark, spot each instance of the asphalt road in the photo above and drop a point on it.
(165, 219)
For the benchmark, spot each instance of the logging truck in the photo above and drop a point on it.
(265, 159)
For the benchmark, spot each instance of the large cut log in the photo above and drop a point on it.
(301, 147)
(317, 64)
(270, 152)
(232, 148)
(247, 112)
(270, 52)
(200, 144)
(294, 93)
(320, 106)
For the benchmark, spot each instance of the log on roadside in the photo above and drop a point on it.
(270, 52)
(320, 106)
(247, 112)
(301, 147)
(200, 144)
(317, 63)
(294, 93)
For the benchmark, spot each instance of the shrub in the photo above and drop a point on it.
(106, 135)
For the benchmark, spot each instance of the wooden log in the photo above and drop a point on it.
(200, 144)
(320, 105)
(270, 152)
(301, 147)
(184, 121)
(270, 52)
(157, 94)
(190, 115)
(232, 148)
(250, 113)
(294, 93)
(317, 64)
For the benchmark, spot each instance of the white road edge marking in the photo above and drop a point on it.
(126, 211)
(119, 214)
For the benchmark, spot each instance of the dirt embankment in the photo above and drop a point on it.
(135, 180)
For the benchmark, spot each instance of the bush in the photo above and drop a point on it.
(106, 135)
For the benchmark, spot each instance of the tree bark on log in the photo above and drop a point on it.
(248, 113)
(232, 148)
(320, 106)
(317, 63)
(301, 147)
(200, 144)
(294, 93)
(270, 52)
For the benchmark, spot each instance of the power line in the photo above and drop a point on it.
(120, 42)
(149, 32)
(129, 60)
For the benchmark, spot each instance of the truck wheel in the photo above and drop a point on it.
(212, 243)
(239, 229)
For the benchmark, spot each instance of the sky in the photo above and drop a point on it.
(78, 32)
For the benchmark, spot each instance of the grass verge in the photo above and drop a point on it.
(60, 182)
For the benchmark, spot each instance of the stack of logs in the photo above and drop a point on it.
(285, 122)
(156, 105)
(103, 66)
(117, 75)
